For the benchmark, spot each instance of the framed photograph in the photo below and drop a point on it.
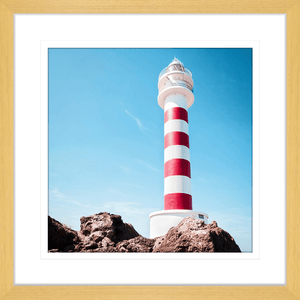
(164, 288)
(131, 185)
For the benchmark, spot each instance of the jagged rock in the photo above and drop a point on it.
(61, 237)
(99, 226)
(104, 232)
(97, 236)
(137, 244)
(192, 235)
(90, 245)
(157, 243)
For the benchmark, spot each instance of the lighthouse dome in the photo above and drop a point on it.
(176, 61)
(176, 64)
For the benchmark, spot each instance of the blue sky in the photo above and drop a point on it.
(106, 140)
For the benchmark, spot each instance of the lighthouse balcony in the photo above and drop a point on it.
(174, 69)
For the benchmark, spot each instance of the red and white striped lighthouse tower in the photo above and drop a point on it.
(175, 85)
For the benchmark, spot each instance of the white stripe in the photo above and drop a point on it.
(177, 100)
(177, 151)
(176, 125)
(177, 184)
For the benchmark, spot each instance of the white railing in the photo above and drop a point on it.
(164, 71)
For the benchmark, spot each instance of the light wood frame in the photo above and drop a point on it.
(7, 10)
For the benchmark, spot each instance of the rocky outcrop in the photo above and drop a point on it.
(101, 232)
(107, 225)
(192, 235)
(105, 232)
(61, 238)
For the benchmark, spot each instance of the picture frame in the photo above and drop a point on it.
(8, 290)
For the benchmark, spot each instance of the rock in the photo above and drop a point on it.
(192, 235)
(60, 236)
(137, 244)
(157, 242)
(97, 236)
(105, 232)
(53, 250)
(101, 225)
(90, 245)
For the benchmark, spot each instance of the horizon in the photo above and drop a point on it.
(106, 140)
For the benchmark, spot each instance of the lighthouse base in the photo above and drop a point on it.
(162, 221)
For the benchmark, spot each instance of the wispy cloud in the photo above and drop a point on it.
(126, 208)
(147, 165)
(57, 193)
(66, 199)
(77, 203)
(126, 170)
(137, 120)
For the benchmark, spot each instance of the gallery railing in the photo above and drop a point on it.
(174, 69)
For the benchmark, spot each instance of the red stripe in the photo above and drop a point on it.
(178, 201)
(178, 166)
(176, 138)
(176, 113)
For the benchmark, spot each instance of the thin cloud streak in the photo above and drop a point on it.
(127, 208)
(57, 193)
(126, 170)
(137, 120)
(77, 203)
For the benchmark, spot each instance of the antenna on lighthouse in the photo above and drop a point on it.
(175, 96)
(176, 60)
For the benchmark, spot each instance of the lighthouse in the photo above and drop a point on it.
(175, 97)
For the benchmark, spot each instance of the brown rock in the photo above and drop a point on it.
(106, 242)
(108, 225)
(192, 235)
(53, 250)
(106, 232)
(157, 242)
(137, 244)
(60, 236)
(90, 245)
(97, 236)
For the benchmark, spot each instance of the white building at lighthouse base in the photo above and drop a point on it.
(162, 221)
